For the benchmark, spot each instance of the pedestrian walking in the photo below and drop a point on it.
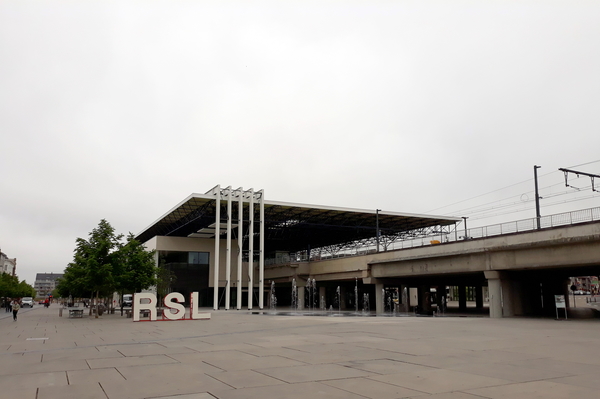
(15, 309)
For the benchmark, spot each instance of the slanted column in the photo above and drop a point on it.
(379, 303)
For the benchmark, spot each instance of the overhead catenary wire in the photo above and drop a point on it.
(490, 192)
(582, 164)
(500, 207)
(530, 208)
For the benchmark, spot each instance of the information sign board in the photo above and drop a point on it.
(559, 301)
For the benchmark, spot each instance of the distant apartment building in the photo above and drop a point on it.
(7, 265)
(45, 283)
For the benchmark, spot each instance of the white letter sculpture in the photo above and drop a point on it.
(170, 304)
(173, 301)
(138, 305)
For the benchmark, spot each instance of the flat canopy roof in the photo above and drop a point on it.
(289, 226)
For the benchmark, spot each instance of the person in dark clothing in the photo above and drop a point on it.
(15, 309)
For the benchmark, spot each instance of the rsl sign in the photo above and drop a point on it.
(173, 307)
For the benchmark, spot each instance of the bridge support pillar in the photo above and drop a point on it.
(379, 304)
(301, 303)
(495, 292)
(505, 295)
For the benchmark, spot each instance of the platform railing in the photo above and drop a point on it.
(518, 226)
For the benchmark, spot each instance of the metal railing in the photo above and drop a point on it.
(519, 226)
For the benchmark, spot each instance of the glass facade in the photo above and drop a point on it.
(190, 271)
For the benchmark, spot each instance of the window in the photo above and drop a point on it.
(198, 258)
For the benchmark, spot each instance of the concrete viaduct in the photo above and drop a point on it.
(523, 271)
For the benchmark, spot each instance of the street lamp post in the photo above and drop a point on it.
(377, 227)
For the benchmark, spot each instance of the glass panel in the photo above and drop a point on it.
(191, 273)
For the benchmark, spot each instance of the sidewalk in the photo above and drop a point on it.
(242, 355)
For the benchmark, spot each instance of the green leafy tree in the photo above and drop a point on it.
(102, 264)
(136, 269)
(93, 263)
(10, 287)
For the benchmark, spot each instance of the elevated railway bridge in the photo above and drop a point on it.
(518, 266)
(230, 245)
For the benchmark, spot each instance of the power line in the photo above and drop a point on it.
(481, 195)
(529, 208)
(474, 209)
(587, 163)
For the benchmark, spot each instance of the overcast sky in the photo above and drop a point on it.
(121, 109)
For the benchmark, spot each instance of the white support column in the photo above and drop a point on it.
(261, 260)
(217, 249)
(251, 251)
(240, 246)
(228, 254)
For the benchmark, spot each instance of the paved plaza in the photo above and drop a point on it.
(242, 355)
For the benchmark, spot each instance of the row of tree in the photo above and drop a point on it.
(10, 287)
(104, 264)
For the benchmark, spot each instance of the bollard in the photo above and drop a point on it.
(60, 312)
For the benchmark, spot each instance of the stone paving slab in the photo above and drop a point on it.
(373, 389)
(245, 379)
(255, 363)
(319, 372)
(312, 390)
(99, 376)
(535, 390)
(129, 361)
(79, 391)
(241, 355)
(439, 381)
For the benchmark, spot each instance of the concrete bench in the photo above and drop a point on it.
(75, 313)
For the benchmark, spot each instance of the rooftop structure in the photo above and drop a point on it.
(250, 229)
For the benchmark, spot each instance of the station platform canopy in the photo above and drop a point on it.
(294, 227)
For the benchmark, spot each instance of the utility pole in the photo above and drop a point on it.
(465, 219)
(377, 227)
(537, 197)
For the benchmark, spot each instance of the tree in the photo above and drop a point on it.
(103, 264)
(10, 287)
(92, 268)
(136, 268)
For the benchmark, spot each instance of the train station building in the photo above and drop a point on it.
(233, 246)
(240, 250)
